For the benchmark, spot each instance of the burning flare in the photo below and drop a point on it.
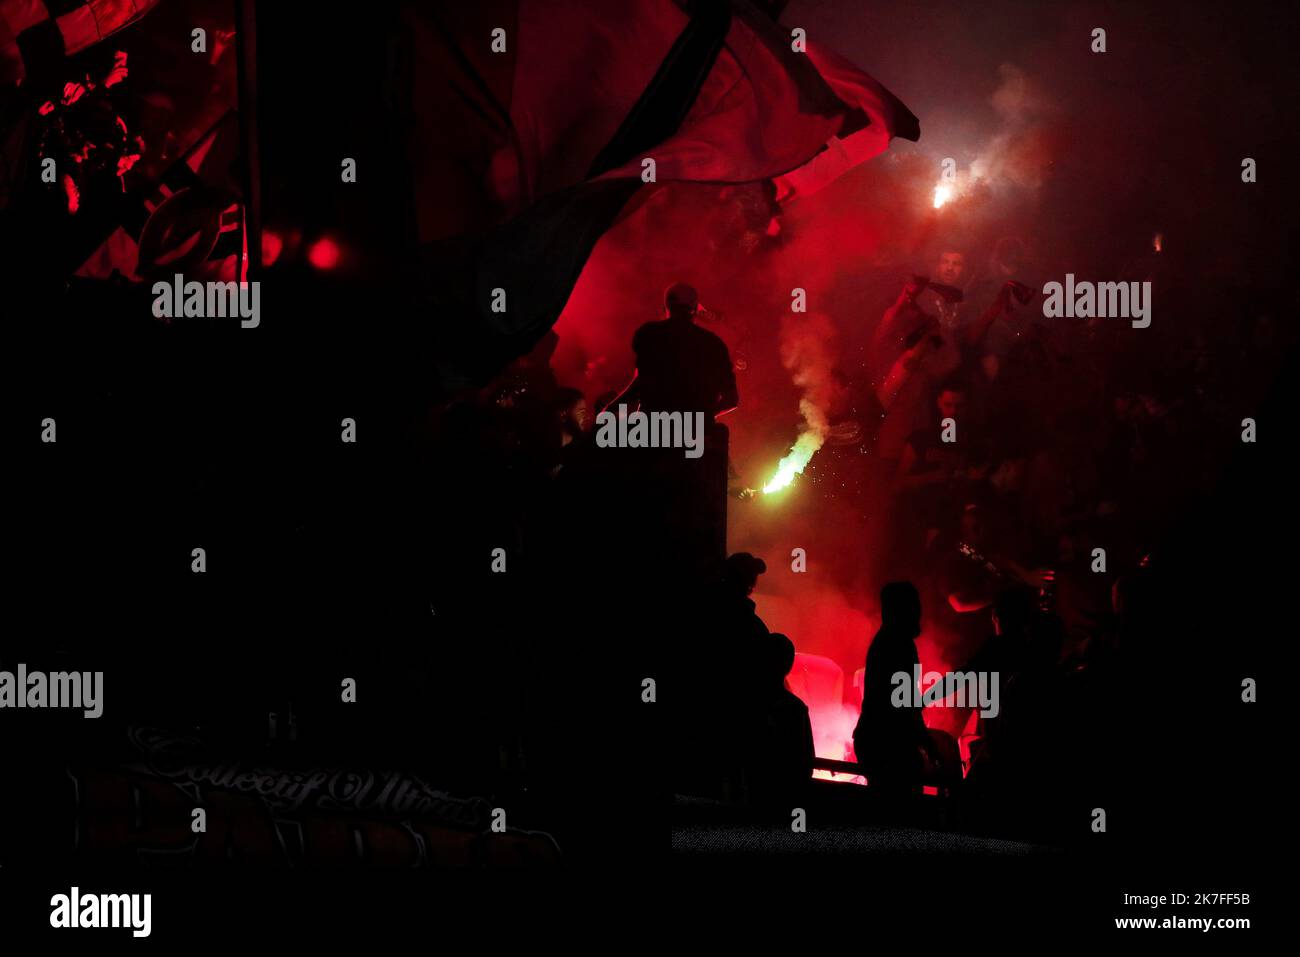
(797, 459)
(808, 350)
(942, 193)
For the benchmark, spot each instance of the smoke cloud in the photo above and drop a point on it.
(1081, 157)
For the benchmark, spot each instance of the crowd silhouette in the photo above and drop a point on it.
(988, 542)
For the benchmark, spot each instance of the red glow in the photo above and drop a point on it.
(272, 244)
(824, 240)
(119, 71)
(819, 683)
(324, 254)
(74, 194)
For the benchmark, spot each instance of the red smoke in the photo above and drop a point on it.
(1037, 147)
(848, 247)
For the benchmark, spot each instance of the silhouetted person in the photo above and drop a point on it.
(910, 367)
(683, 371)
(570, 429)
(721, 676)
(1007, 652)
(679, 366)
(732, 603)
(781, 759)
(890, 740)
(1047, 748)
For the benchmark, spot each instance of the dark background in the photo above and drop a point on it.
(325, 560)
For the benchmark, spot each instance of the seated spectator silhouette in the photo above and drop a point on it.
(892, 742)
(781, 746)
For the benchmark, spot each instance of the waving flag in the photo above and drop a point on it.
(526, 155)
(35, 35)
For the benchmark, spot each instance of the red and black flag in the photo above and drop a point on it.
(537, 121)
(36, 35)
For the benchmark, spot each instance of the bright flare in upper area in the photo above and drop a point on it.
(942, 193)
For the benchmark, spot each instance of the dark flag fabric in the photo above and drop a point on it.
(35, 35)
(526, 152)
(882, 116)
(190, 221)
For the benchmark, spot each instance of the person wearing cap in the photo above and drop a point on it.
(680, 367)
